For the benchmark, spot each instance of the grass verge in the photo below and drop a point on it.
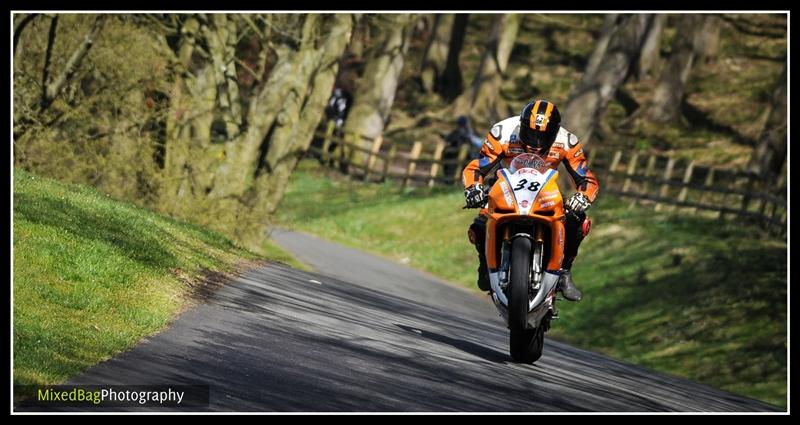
(93, 275)
(690, 296)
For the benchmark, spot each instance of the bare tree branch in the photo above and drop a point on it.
(21, 26)
(52, 90)
(249, 70)
(252, 25)
(51, 40)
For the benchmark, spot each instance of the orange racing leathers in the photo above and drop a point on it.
(503, 144)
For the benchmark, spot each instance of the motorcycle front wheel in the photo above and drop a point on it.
(526, 344)
(519, 282)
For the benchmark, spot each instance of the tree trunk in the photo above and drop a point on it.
(451, 82)
(229, 176)
(651, 48)
(589, 99)
(669, 92)
(435, 57)
(360, 36)
(769, 156)
(599, 52)
(706, 43)
(376, 89)
(482, 100)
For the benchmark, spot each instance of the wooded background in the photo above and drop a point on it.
(204, 116)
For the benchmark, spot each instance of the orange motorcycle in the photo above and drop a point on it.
(524, 250)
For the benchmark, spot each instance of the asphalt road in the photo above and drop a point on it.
(365, 334)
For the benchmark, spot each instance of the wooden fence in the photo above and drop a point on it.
(378, 160)
(681, 185)
(664, 182)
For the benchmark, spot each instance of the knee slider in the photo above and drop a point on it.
(586, 227)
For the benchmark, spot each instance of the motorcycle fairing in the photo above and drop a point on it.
(520, 184)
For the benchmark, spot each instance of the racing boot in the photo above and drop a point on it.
(576, 228)
(567, 286)
(476, 235)
(483, 273)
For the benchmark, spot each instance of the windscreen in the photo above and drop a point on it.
(528, 160)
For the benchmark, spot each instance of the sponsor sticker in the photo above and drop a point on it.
(549, 195)
(507, 193)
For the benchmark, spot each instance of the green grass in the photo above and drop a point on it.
(92, 275)
(690, 296)
(276, 253)
(424, 228)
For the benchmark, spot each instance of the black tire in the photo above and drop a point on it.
(518, 283)
(527, 345)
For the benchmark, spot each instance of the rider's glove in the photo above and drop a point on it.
(578, 203)
(475, 196)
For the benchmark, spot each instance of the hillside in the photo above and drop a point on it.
(92, 276)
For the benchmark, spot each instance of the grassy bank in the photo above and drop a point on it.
(92, 275)
(693, 297)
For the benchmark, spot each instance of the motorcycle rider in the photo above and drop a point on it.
(536, 130)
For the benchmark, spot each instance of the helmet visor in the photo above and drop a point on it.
(535, 139)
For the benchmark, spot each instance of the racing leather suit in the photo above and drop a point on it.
(502, 144)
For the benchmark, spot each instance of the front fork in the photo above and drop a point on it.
(536, 261)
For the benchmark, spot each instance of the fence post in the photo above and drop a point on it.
(648, 171)
(709, 182)
(373, 152)
(771, 218)
(343, 153)
(775, 220)
(326, 142)
(746, 196)
(687, 177)
(437, 156)
(724, 199)
(630, 171)
(412, 161)
(351, 153)
(664, 186)
(389, 160)
(612, 168)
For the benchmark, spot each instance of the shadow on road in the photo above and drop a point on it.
(466, 346)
